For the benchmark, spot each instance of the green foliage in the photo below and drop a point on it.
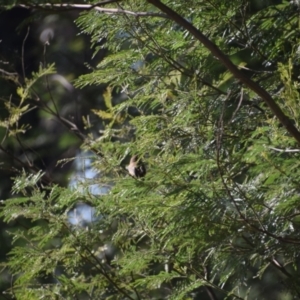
(217, 210)
(15, 112)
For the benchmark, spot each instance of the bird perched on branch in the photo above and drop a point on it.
(136, 168)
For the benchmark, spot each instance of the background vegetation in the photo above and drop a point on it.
(206, 93)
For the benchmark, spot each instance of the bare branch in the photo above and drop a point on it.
(285, 150)
(8, 73)
(23, 47)
(109, 11)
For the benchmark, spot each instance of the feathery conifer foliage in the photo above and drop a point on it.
(217, 215)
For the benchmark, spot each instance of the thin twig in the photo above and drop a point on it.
(23, 47)
(109, 11)
(285, 150)
(8, 73)
(238, 107)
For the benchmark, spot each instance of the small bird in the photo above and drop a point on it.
(136, 168)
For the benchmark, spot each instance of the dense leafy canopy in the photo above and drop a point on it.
(217, 215)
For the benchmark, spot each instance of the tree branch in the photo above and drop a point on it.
(66, 6)
(284, 120)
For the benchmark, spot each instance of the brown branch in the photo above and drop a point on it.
(280, 267)
(224, 59)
